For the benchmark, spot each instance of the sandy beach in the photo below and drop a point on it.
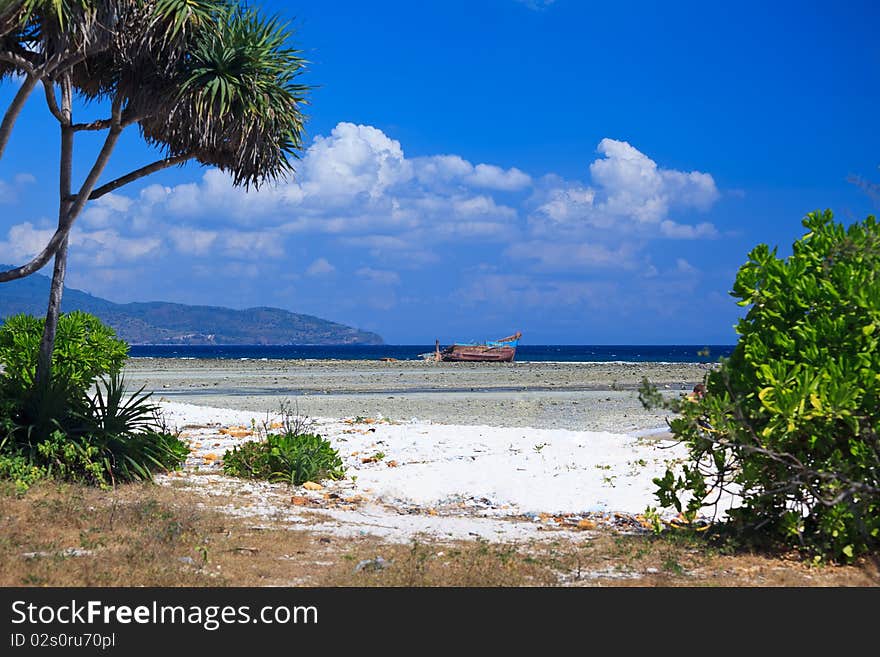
(452, 451)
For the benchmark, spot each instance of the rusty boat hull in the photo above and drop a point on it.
(496, 351)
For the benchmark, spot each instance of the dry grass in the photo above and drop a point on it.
(160, 536)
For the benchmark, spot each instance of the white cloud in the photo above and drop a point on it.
(320, 267)
(354, 181)
(567, 207)
(354, 160)
(481, 206)
(105, 211)
(441, 169)
(492, 177)
(610, 223)
(634, 186)
(687, 232)
(357, 192)
(192, 241)
(107, 247)
(379, 276)
(102, 247)
(23, 242)
(358, 181)
(9, 192)
(250, 245)
(562, 256)
(453, 169)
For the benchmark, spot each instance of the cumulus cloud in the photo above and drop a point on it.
(566, 207)
(453, 169)
(320, 267)
(630, 193)
(354, 160)
(492, 177)
(358, 194)
(357, 181)
(636, 187)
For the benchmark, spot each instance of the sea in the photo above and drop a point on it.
(524, 352)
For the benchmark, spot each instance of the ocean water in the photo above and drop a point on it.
(524, 353)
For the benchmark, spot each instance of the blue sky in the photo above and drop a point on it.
(581, 172)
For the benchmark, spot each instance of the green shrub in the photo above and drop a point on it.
(105, 439)
(85, 349)
(59, 428)
(290, 457)
(790, 421)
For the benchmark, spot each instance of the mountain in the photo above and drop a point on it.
(173, 323)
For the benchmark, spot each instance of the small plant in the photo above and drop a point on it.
(671, 565)
(652, 517)
(290, 456)
(202, 549)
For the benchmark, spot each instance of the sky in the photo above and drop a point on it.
(585, 173)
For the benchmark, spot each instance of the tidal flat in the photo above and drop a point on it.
(594, 396)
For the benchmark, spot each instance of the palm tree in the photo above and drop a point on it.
(203, 80)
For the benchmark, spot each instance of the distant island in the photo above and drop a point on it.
(159, 322)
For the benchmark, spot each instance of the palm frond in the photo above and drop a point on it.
(210, 79)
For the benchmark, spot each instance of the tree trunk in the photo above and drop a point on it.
(47, 343)
(56, 290)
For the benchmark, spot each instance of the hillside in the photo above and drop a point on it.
(158, 322)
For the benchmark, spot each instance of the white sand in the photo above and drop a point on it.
(446, 480)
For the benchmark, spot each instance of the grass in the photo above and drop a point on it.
(150, 535)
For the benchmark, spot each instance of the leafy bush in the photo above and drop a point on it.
(58, 428)
(790, 421)
(85, 349)
(290, 456)
(104, 439)
(20, 470)
(126, 435)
